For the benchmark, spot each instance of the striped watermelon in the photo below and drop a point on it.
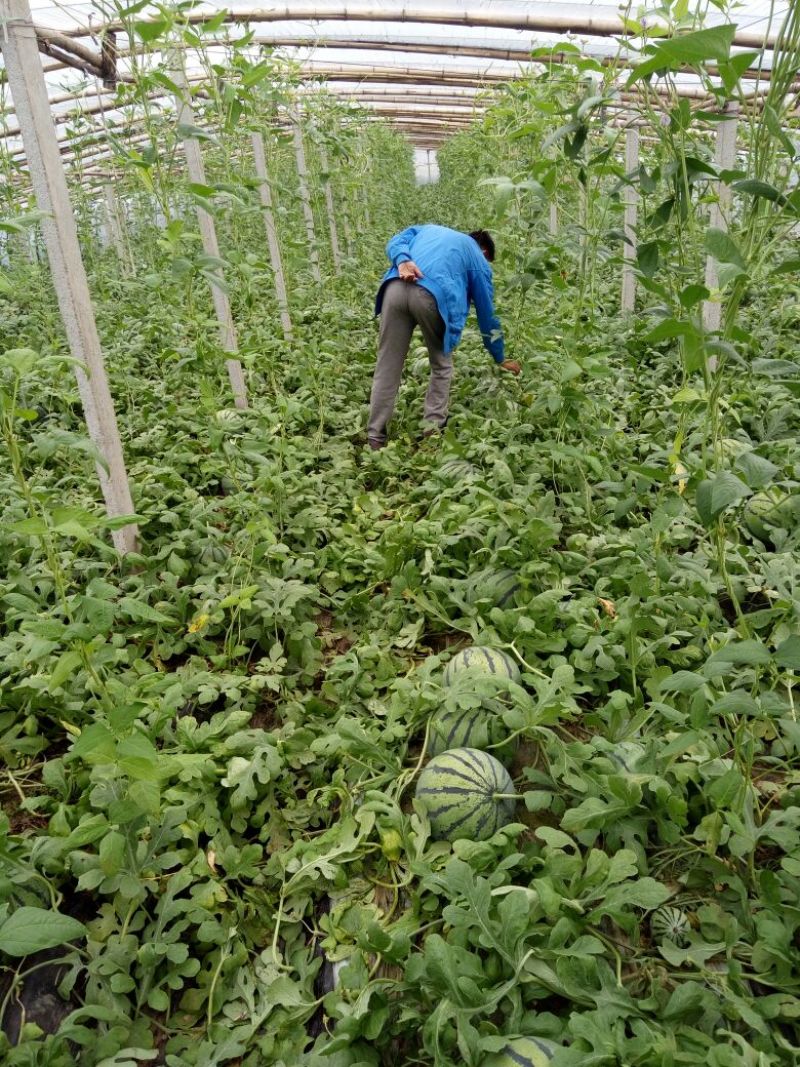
(460, 729)
(500, 587)
(466, 793)
(483, 660)
(522, 1052)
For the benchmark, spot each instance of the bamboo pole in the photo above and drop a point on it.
(265, 190)
(724, 157)
(28, 88)
(305, 196)
(630, 196)
(208, 233)
(574, 19)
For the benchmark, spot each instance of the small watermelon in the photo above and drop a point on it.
(485, 660)
(500, 587)
(522, 1052)
(467, 794)
(669, 923)
(769, 511)
(460, 729)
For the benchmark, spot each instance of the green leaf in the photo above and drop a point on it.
(692, 295)
(647, 258)
(720, 245)
(752, 187)
(750, 653)
(112, 853)
(187, 132)
(68, 663)
(688, 49)
(146, 796)
(723, 791)
(669, 328)
(682, 682)
(787, 653)
(776, 368)
(29, 930)
(756, 470)
(789, 266)
(715, 495)
(151, 30)
(140, 611)
(95, 745)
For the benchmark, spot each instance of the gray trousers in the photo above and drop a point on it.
(406, 305)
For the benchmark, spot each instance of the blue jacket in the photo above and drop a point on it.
(456, 273)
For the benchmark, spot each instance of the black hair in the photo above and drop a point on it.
(486, 243)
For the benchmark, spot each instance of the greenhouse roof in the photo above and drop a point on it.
(395, 58)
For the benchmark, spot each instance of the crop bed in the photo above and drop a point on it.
(210, 749)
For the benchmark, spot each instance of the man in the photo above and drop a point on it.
(435, 274)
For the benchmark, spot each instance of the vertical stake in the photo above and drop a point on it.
(308, 214)
(208, 233)
(272, 236)
(29, 91)
(630, 198)
(552, 225)
(113, 223)
(724, 157)
(328, 193)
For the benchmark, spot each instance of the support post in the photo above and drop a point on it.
(583, 222)
(272, 236)
(29, 92)
(552, 224)
(630, 196)
(113, 222)
(308, 214)
(724, 157)
(328, 193)
(208, 233)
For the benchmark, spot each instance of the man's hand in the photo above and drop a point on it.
(511, 365)
(409, 271)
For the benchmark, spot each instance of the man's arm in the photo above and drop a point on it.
(399, 247)
(481, 292)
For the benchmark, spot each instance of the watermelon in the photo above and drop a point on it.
(483, 660)
(460, 729)
(771, 510)
(467, 794)
(500, 587)
(522, 1052)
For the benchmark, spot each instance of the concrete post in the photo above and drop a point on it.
(308, 214)
(208, 233)
(272, 236)
(29, 92)
(328, 193)
(630, 196)
(724, 157)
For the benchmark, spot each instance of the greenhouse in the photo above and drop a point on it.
(400, 534)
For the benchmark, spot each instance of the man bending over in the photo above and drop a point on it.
(436, 274)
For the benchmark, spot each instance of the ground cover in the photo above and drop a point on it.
(210, 749)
